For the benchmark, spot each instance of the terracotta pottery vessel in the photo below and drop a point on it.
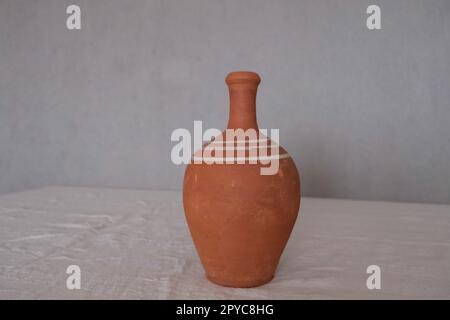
(240, 219)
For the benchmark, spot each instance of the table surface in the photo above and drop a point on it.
(135, 244)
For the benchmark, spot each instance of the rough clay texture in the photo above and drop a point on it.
(240, 220)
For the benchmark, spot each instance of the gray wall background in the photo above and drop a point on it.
(365, 114)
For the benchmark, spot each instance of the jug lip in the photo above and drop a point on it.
(242, 77)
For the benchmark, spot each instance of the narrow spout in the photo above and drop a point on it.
(243, 86)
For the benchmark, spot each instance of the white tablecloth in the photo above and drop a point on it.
(135, 244)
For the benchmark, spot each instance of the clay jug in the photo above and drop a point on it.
(240, 219)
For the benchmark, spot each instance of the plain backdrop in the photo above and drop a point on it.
(364, 113)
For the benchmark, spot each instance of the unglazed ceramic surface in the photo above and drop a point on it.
(239, 219)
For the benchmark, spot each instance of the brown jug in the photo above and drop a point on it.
(240, 219)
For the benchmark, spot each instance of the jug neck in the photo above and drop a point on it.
(243, 86)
